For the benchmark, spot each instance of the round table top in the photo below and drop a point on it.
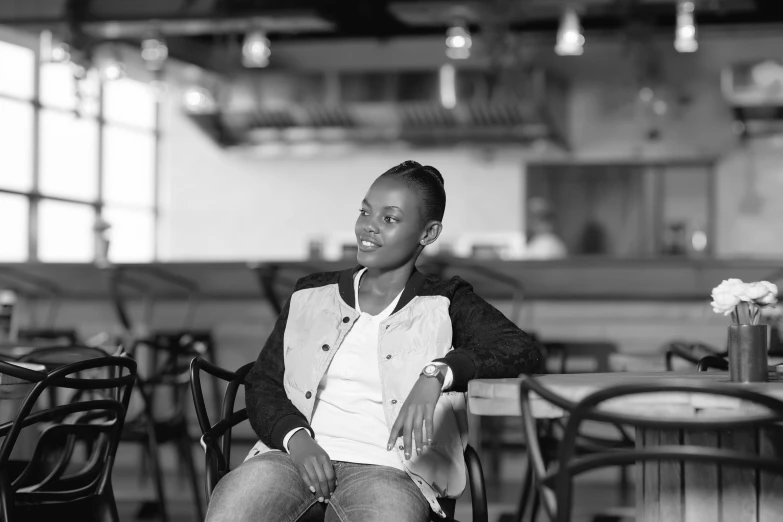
(500, 397)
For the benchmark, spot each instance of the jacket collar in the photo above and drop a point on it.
(412, 287)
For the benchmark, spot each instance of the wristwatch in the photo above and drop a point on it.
(436, 370)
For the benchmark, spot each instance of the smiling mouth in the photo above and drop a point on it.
(367, 246)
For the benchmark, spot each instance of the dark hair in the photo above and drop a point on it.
(427, 182)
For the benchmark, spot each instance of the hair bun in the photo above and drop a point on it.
(436, 173)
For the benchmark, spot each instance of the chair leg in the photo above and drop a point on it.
(157, 475)
(187, 454)
(108, 505)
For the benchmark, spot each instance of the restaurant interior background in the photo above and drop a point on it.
(229, 142)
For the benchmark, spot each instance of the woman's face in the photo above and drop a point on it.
(389, 228)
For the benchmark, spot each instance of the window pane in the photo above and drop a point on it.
(13, 227)
(65, 231)
(17, 71)
(16, 145)
(59, 88)
(129, 102)
(69, 156)
(128, 166)
(131, 235)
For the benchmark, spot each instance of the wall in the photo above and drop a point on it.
(219, 205)
(211, 197)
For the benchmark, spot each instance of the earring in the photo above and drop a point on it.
(423, 241)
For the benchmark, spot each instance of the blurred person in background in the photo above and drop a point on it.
(543, 243)
(358, 394)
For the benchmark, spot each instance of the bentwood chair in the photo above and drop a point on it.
(554, 481)
(216, 441)
(68, 476)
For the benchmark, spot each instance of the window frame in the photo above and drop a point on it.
(34, 195)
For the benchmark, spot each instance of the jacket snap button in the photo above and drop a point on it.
(401, 447)
(394, 401)
(308, 395)
(325, 347)
(346, 319)
(388, 356)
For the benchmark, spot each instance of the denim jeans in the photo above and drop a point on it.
(268, 488)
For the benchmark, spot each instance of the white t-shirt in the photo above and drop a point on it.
(348, 419)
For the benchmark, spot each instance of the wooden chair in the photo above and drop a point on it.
(216, 438)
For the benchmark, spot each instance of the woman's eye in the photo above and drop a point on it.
(362, 212)
(390, 219)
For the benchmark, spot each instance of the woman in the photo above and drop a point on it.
(358, 395)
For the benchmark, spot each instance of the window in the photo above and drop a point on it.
(87, 166)
(16, 162)
(131, 235)
(13, 227)
(129, 167)
(65, 231)
(20, 60)
(68, 156)
(130, 103)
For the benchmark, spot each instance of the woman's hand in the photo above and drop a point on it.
(314, 465)
(416, 413)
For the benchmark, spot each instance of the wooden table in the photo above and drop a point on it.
(669, 491)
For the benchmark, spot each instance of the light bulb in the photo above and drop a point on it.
(256, 50)
(458, 42)
(154, 52)
(685, 34)
(570, 41)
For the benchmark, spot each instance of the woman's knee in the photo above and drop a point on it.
(265, 488)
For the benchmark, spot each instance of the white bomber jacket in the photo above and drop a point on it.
(434, 320)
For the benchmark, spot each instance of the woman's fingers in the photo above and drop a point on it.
(328, 469)
(407, 429)
(418, 427)
(312, 471)
(429, 426)
(395, 431)
(323, 484)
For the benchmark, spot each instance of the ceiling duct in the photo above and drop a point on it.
(290, 107)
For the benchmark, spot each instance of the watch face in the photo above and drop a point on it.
(430, 370)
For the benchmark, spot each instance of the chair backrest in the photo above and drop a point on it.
(216, 438)
(764, 411)
(74, 455)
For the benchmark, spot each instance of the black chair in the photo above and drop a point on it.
(163, 380)
(712, 361)
(68, 476)
(555, 483)
(216, 438)
(691, 352)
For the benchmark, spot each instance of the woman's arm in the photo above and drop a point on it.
(272, 414)
(486, 344)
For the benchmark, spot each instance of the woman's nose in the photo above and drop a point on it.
(370, 226)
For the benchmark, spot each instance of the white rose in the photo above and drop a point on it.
(732, 286)
(763, 293)
(756, 291)
(724, 302)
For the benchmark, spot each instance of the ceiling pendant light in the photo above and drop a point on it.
(458, 41)
(256, 50)
(154, 52)
(570, 41)
(685, 35)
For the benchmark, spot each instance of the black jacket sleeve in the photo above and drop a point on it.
(272, 414)
(486, 344)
